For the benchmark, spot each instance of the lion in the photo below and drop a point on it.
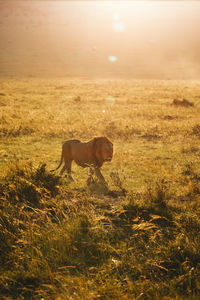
(92, 154)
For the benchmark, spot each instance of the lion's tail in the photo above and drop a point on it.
(59, 164)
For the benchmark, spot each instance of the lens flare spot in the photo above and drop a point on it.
(119, 26)
(112, 58)
(110, 100)
(103, 111)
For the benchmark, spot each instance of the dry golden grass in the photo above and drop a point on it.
(139, 239)
(150, 134)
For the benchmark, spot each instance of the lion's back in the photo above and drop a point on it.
(68, 147)
(80, 152)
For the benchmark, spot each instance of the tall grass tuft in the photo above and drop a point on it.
(69, 247)
(25, 183)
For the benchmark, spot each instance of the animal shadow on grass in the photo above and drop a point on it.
(99, 188)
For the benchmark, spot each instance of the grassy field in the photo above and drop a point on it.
(137, 239)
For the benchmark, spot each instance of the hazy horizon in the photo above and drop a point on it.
(134, 39)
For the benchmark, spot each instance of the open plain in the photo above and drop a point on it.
(139, 237)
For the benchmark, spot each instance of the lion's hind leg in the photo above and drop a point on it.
(90, 177)
(67, 166)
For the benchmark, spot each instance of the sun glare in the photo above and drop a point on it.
(144, 39)
(118, 25)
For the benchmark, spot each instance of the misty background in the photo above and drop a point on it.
(132, 39)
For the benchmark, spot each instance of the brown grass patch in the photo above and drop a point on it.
(184, 103)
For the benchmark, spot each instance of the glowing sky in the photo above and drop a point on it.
(140, 39)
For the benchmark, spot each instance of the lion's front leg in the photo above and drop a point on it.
(99, 175)
(67, 166)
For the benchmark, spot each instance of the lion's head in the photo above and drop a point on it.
(103, 149)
